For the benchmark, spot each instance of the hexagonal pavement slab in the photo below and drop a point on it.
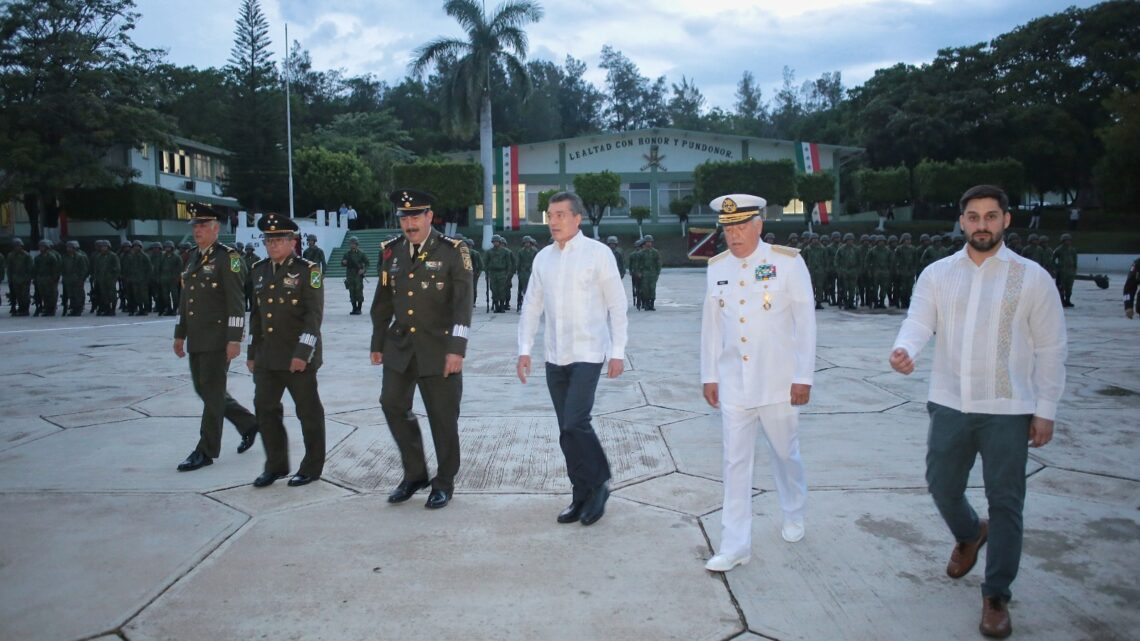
(499, 396)
(678, 492)
(1091, 440)
(139, 455)
(392, 572)
(875, 569)
(518, 454)
(17, 430)
(76, 565)
(841, 390)
(36, 396)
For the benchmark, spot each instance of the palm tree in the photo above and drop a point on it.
(495, 43)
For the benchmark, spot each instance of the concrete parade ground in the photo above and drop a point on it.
(101, 538)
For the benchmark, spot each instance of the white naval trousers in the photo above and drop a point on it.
(780, 422)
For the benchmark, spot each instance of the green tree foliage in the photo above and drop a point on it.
(324, 179)
(375, 138)
(774, 180)
(681, 208)
(943, 183)
(751, 116)
(544, 198)
(1117, 172)
(118, 206)
(639, 213)
(876, 188)
(598, 192)
(815, 188)
(497, 41)
(686, 107)
(632, 100)
(196, 100)
(73, 85)
(256, 136)
(455, 187)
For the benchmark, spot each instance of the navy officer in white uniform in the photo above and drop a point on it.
(757, 361)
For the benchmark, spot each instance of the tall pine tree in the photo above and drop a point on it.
(257, 170)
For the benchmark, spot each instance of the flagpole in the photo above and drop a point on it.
(288, 122)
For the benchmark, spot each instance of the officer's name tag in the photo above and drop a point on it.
(722, 282)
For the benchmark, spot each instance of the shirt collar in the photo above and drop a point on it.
(574, 240)
(1004, 254)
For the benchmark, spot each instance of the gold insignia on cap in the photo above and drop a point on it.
(728, 206)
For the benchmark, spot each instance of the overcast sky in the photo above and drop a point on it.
(712, 42)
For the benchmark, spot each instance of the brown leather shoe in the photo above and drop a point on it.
(995, 618)
(965, 555)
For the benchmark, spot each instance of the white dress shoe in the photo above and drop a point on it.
(725, 562)
(792, 531)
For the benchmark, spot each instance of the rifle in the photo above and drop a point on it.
(1101, 280)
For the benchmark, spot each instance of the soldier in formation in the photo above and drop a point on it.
(48, 268)
(105, 271)
(476, 268)
(75, 269)
(525, 262)
(619, 258)
(355, 264)
(136, 274)
(315, 254)
(635, 271)
(650, 265)
(249, 258)
(21, 270)
(500, 263)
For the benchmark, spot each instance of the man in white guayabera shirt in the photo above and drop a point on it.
(576, 286)
(998, 373)
(757, 365)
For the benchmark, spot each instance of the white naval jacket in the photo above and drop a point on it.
(758, 326)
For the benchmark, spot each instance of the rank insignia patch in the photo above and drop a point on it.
(235, 264)
(766, 272)
(315, 279)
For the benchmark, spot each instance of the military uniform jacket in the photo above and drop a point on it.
(287, 311)
(422, 304)
(758, 326)
(212, 306)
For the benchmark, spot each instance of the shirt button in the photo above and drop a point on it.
(743, 339)
(270, 330)
(191, 300)
(191, 313)
(742, 319)
(412, 330)
(410, 293)
(272, 287)
(746, 357)
(269, 315)
(742, 301)
(742, 283)
(411, 276)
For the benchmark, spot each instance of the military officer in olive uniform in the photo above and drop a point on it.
(619, 258)
(285, 351)
(525, 262)
(48, 268)
(136, 271)
(211, 320)
(477, 268)
(1065, 266)
(420, 322)
(355, 264)
(169, 269)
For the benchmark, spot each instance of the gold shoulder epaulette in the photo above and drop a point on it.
(719, 256)
(308, 263)
(785, 250)
(259, 262)
(229, 250)
(455, 242)
(390, 241)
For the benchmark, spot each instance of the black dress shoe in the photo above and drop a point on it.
(438, 499)
(266, 479)
(406, 489)
(246, 441)
(195, 461)
(595, 505)
(301, 479)
(571, 513)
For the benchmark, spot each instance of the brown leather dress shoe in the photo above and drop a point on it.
(965, 555)
(995, 618)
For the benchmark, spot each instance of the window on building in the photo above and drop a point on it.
(201, 167)
(667, 193)
(635, 195)
(176, 162)
(534, 215)
(221, 170)
(144, 150)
